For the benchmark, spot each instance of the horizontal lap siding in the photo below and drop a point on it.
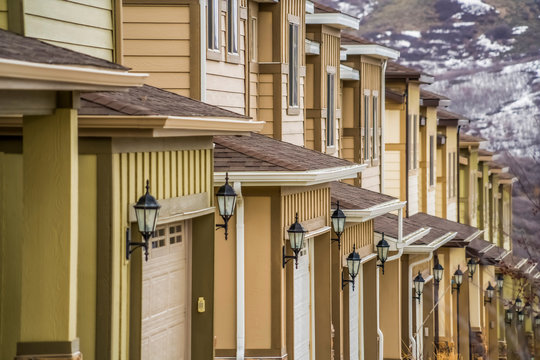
(226, 81)
(292, 125)
(266, 98)
(156, 41)
(371, 178)
(392, 173)
(413, 195)
(82, 26)
(171, 174)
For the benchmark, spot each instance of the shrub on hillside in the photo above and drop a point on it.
(446, 9)
(500, 32)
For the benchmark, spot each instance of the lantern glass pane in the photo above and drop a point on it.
(437, 273)
(297, 240)
(354, 266)
(146, 219)
(500, 283)
(458, 279)
(490, 294)
(338, 224)
(230, 202)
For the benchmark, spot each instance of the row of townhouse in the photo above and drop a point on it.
(364, 225)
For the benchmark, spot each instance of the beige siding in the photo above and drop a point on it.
(266, 112)
(392, 173)
(3, 15)
(156, 40)
(309, 204)
(413, 194)
(292, 126)
(84, 26)
(370, 178)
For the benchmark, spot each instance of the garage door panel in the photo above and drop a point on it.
(302, 307)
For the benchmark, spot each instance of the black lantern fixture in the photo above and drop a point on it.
(296, 239)
(146, 212)
(382, 252)
(527, 308)
(537, 320)
(490, 291)
(500, 282)
(226, 199)
(519, 304)
(418, 286)
(521, 317)
(437, 272)
(509, 316)
(457, 279)
(338, 224)
(353, 265)
(471, 266)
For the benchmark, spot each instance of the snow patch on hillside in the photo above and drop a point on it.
(412, 33)
(475, 7)
(493, 47)
(518, 30)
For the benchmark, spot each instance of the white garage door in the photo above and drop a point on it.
(302, 307)
(353, 320)
(164, 295)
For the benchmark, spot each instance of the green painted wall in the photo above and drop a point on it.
(84, 25)
(11, 214)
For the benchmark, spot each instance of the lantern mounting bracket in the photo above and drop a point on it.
(131, 246)
(346, 281)
(338, 240)
(287, 258)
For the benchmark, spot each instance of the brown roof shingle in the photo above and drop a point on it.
(395, 70)
(349, 39)
(354, 198)
(463, 231)
(22, 48)
(261, 153)
(428, 95)
(388, 224)
(487, 258)
(148, 100)
(320, 8)
(470, 138)
(448, 115)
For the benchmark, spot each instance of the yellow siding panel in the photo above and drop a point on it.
(3, 20)
(156, 14)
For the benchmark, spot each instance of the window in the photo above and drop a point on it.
(454, 174)
(253, 39)
(431, 160)
(213, 24)
(293, 65)
(330, 112)
(232, 26)
(366, 127)
(375, 127)
(450, 183)
(415, 142)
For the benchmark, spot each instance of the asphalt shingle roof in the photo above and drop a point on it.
(354, 198)
(463, 231)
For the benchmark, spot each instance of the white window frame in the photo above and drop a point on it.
(330, 109)
(213, 25)
(232, 27)
(366, 124)
(375, 125)
(431, 160)
(293, 49)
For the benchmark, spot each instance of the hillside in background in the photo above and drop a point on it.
(485, 56)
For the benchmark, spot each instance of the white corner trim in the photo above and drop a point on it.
(372, 49)
(348, 73)
(342, 55)
(290, 178)
(312, 47)
(71, 77)
(338, 20)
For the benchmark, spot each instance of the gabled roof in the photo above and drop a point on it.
(428, 98)
(397, 71)
(485, 155)
(395, 96)
(148, 100)
(388, 224)
(448, 118)
(349, 39)
(470, 140)
(507, 178)
(465, 233)
(325, 15)
(258, 159)
(22, 48)
(486, 252)
(359, 46)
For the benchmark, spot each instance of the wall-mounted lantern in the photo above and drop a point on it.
(518, 304)
(490, 291)
(382, 252)
(537, 320)
(353, 265)
(457, 279)
(338, 224)
(527, 308)
(296, 239)
(521, 317)
(146, 211)
(471, 266)
(500, 282)
(418, 286)
(509, 315)
(438, 272)
(226, 199)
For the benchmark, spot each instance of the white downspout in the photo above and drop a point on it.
(414, 350)
(361, 288)
(383, 110)
(240, 290)
(391, 258)
(202, 27)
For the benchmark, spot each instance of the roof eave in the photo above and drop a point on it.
(432, 246)
(24, 75)
(310, 7)
(337, 20)
(348, 73)
(362, 215)
(290, 178)
(375, 50)
(426, 79)
(312, 47)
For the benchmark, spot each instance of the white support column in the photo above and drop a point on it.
(240, 278)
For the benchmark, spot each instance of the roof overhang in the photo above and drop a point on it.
(452, 122)
(432, 246)
(395, 244)
(375, 50)
(24, 75)
(150, 126)
(435, 102)
(520, 263)
(348, 73)
(337, 20)
(426, 79)
(310, 7)
(290, 178)
(362, 215)
(508, 181)
(312, 47)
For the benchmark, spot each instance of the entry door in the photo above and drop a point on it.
(165, 295)
(353, 321)
(302, 307)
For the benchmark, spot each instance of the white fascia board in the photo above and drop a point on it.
(407, 240)
(503, 255)
(474, 236)
(537, 276)
(310, 7)
(520, 264)
(348, 73)
(290, 178)
(313, 47)
(362, 215)
(531, 268)
(337, 20)
(373, 50)
(343, 55)
(25, 75)
(434, 245)
(371, 256)
(445, 102)
(487, 248)
(427, 79)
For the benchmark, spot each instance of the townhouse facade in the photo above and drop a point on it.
(307, 124)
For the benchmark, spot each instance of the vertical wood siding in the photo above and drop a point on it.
(156, 40)
(358, 234)
(85, 26)
(309, 205)
(171, 174)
